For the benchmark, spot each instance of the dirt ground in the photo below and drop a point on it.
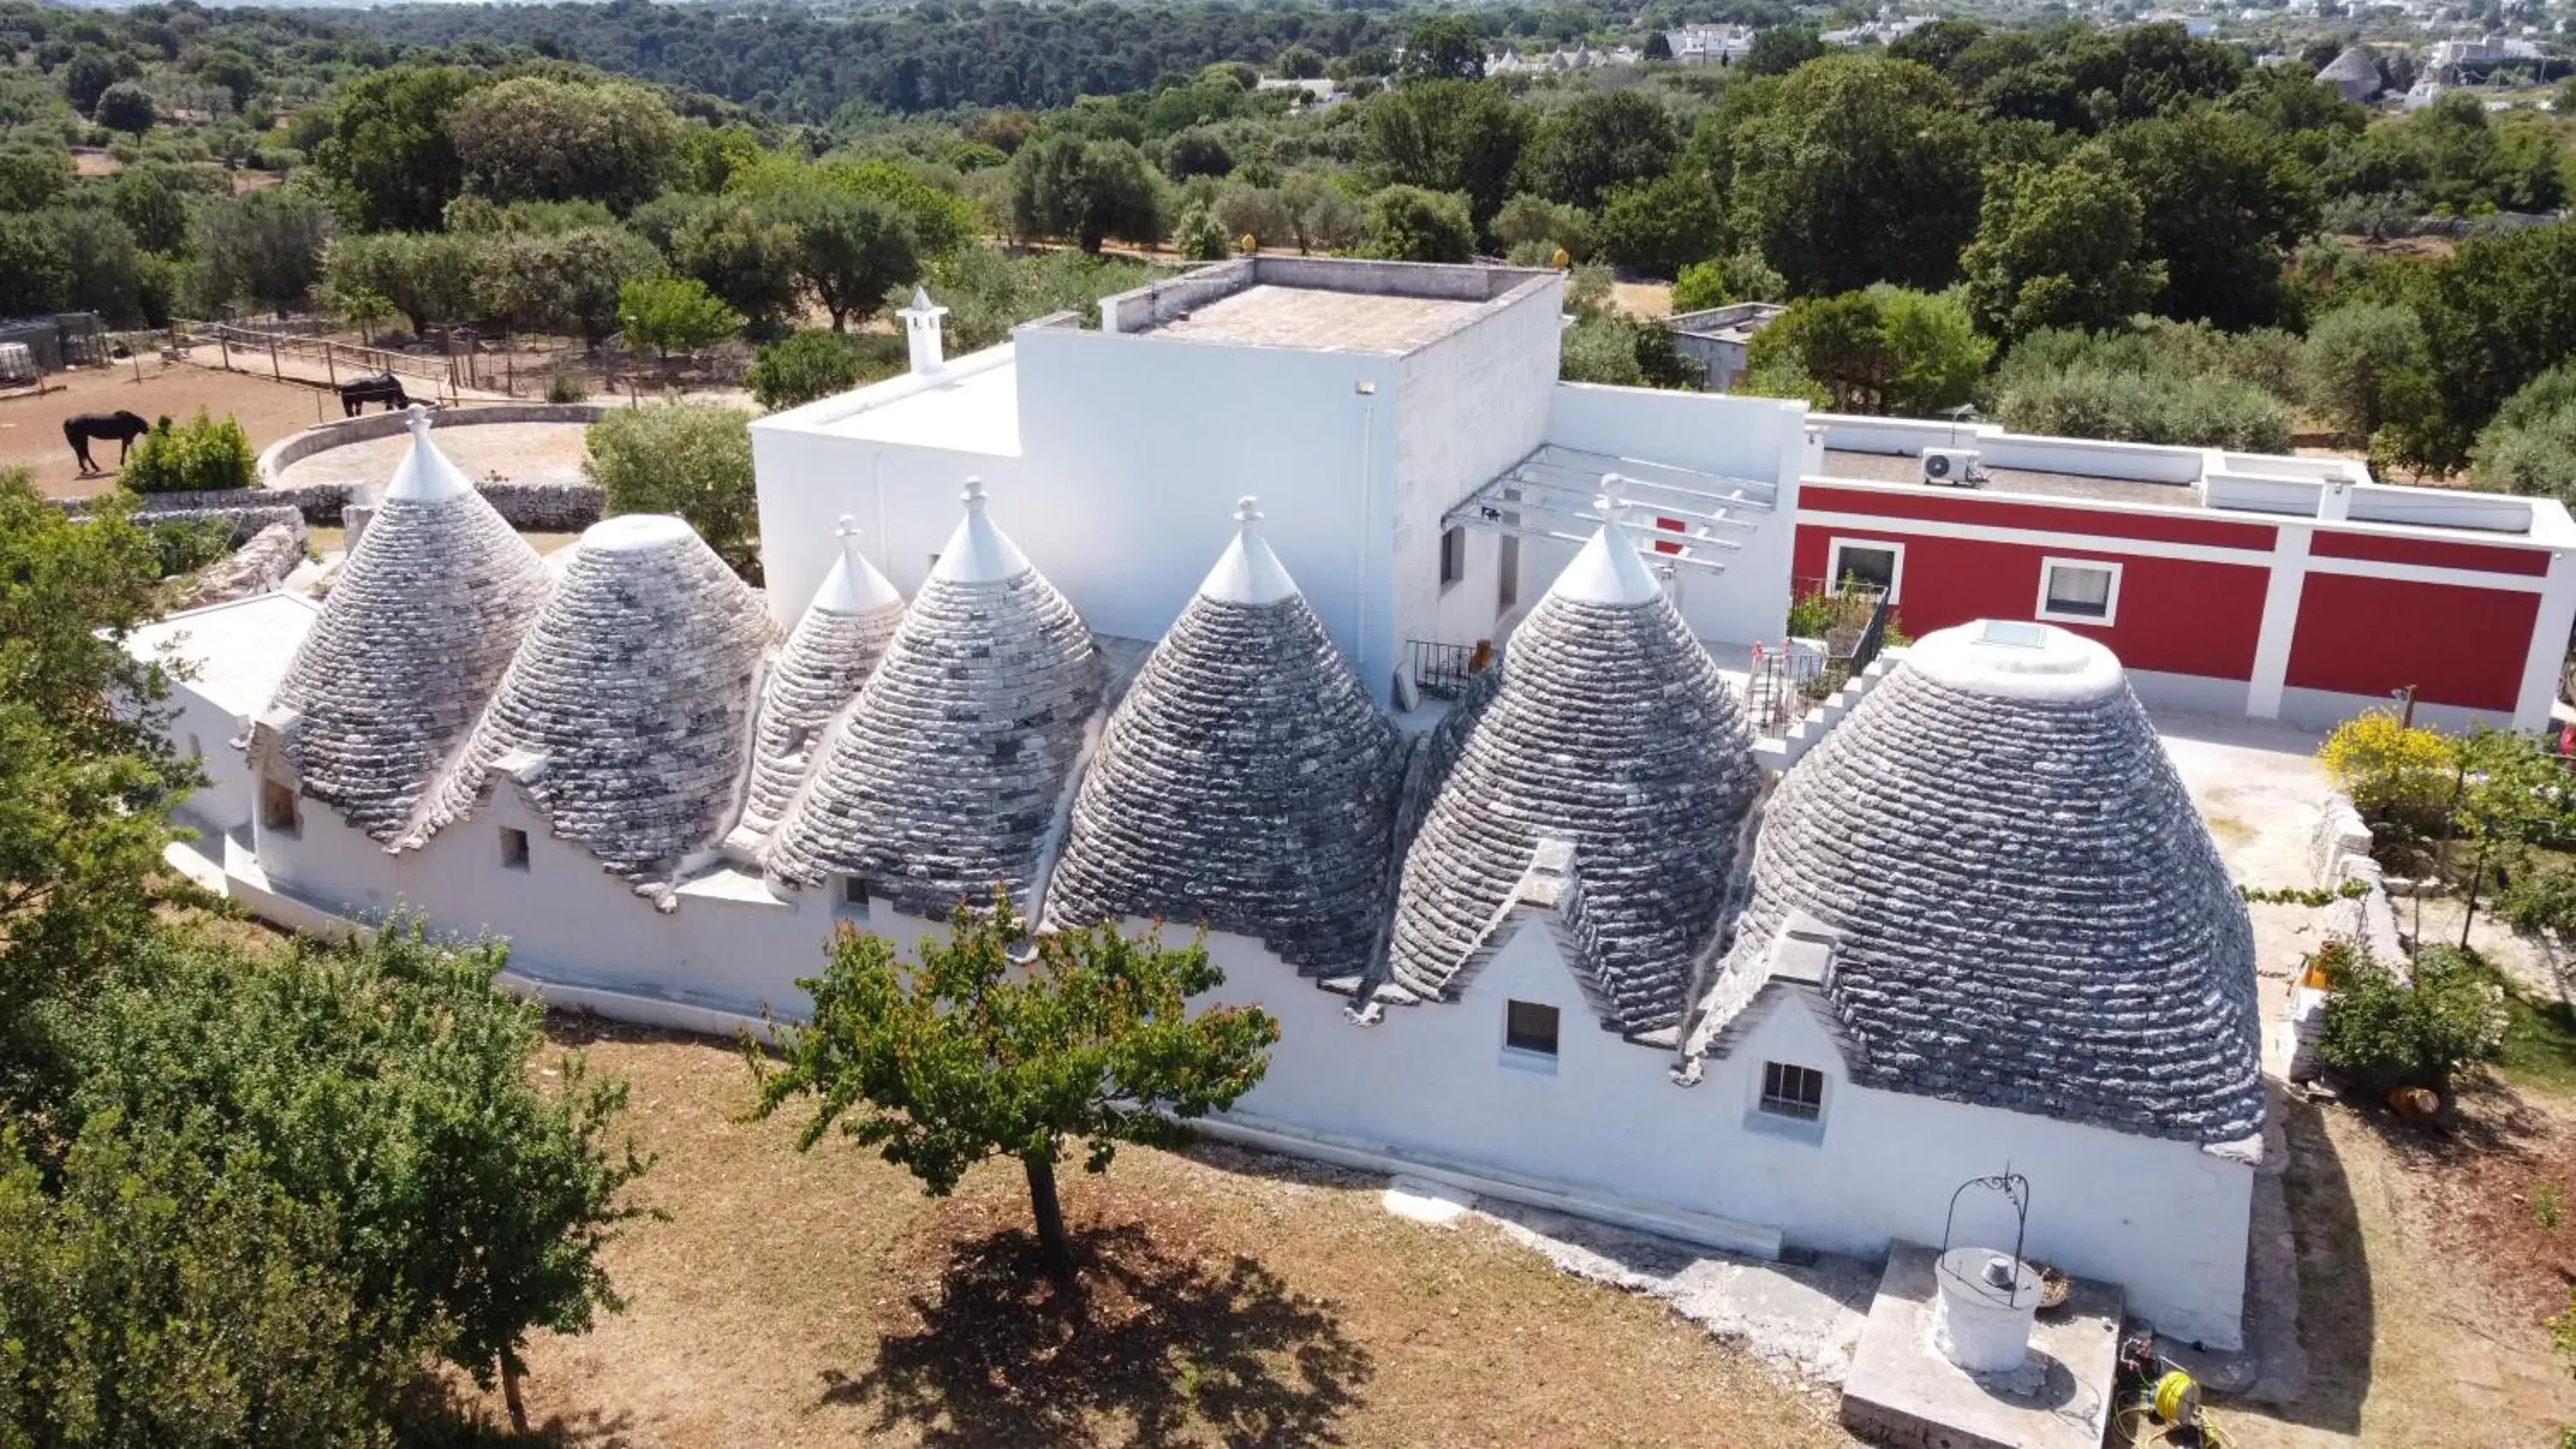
(517, 452)
(31, 425)
(1238, 1299)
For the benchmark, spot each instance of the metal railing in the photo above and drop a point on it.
(1441, 670)
(1788, 680)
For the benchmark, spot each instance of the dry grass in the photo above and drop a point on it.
(1232, 1299)
(2418, 1313)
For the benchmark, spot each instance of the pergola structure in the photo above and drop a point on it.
(1555, 493)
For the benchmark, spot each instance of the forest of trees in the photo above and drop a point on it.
(2131, 233)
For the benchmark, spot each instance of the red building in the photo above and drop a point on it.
(2287, 588)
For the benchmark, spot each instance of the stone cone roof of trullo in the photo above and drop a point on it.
(2354, 64)
(943, 778)
(635, 683)
(1246, 781)
(1604, 725)
(2029, 912)
(827, 657)
(419, 625)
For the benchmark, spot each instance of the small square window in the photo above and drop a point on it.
(852, 901)
(278, 809)
(1867, 563)
(1453, 556)
(1530, 1027)
(1793, 1091)
(514, 848)
(2078, 591)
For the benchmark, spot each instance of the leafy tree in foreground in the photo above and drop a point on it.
(804, 366)
(1447, 135)
(389, 1083)
(86, 779)
(2367, 366)
(1885, 350)
(1444, 47)
(569, 281)
(849, 250)
(263, 247)
(674, 312)
(692, 459)
(426, 276)
(2531, 446)
(127, 106)
(1605, 139)
(389, 146)
(967, 1054)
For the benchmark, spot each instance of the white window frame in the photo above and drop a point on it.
(1789, 1109)
(1895, 572)
(2110, 603)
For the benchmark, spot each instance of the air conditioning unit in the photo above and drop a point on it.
(1952, 467)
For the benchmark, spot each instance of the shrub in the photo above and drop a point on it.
(2144, 407)
(1700, 286)
(2387, 1032)
(2391, 771)
(1409, 224)
(1200, 237)
(692, 459)
(1544, 227)
(201, 456)
(812, 365)
(566, 384)
(189, 544)
(2530, 445)
(664, 313)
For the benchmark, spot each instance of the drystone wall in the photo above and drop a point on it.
(255, 568)
(528, 507)
(2341, 852)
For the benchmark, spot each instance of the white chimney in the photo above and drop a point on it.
(921, 329)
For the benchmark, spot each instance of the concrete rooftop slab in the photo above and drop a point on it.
(1907, 468)
(1267, 315)
(239, 651)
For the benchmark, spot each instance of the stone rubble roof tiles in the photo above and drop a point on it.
(1610, 728)
(943, 778)
(1246, 782)
(826, 658)
(635, 685)
(2029, 912)
(415, 635)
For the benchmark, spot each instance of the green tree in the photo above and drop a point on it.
(1860, 170)
(2366, 366)
(532, 138)
(152, 201)
(849, 250)
(1536, 223)
(1447, 135)
(388, 144)
(803, 366)
(2530, 445)
(33, 180)
(569, 281)
(1884, 350)
(967, 1055)
(162, 1295)
(746, 250)
(86, 778)
(1200, 237)
(2228, 202)
(1663, 225)
(1780, 49)
(126, 106)
(667, 312)
(691, 459)
(262, 247)
(233, 71)
(2497, 315)
(1700, 286)
(2061, 246)
(390, 1083)
(1409, 224)
(88, 74)
(1087, 191)
(1300, 62)
(1603, 140)
(429, 277)
(1444, 47)
(2420, 1031)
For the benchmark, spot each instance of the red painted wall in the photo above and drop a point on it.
(2456, 645)
(1998, 511)
(2175, 616)
(2397, 548)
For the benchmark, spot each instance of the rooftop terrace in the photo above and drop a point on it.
(1320, 304)
(1263, 315)
(2086, 487)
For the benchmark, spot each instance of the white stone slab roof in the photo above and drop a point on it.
(1606, 735)
(418, 628)
(2026, 910)
(827, 657)
(943, 778)
(1246, 781)
(632, 695)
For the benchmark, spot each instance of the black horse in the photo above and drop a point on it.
(86, 428)
(384, 387)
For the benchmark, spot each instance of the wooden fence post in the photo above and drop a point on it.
(330, 369)
(275, 371)
(226, 344)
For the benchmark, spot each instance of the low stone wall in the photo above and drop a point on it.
(2342, 853)
(296, 447)
(544, 507)
(529, 507)
(255, 568)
